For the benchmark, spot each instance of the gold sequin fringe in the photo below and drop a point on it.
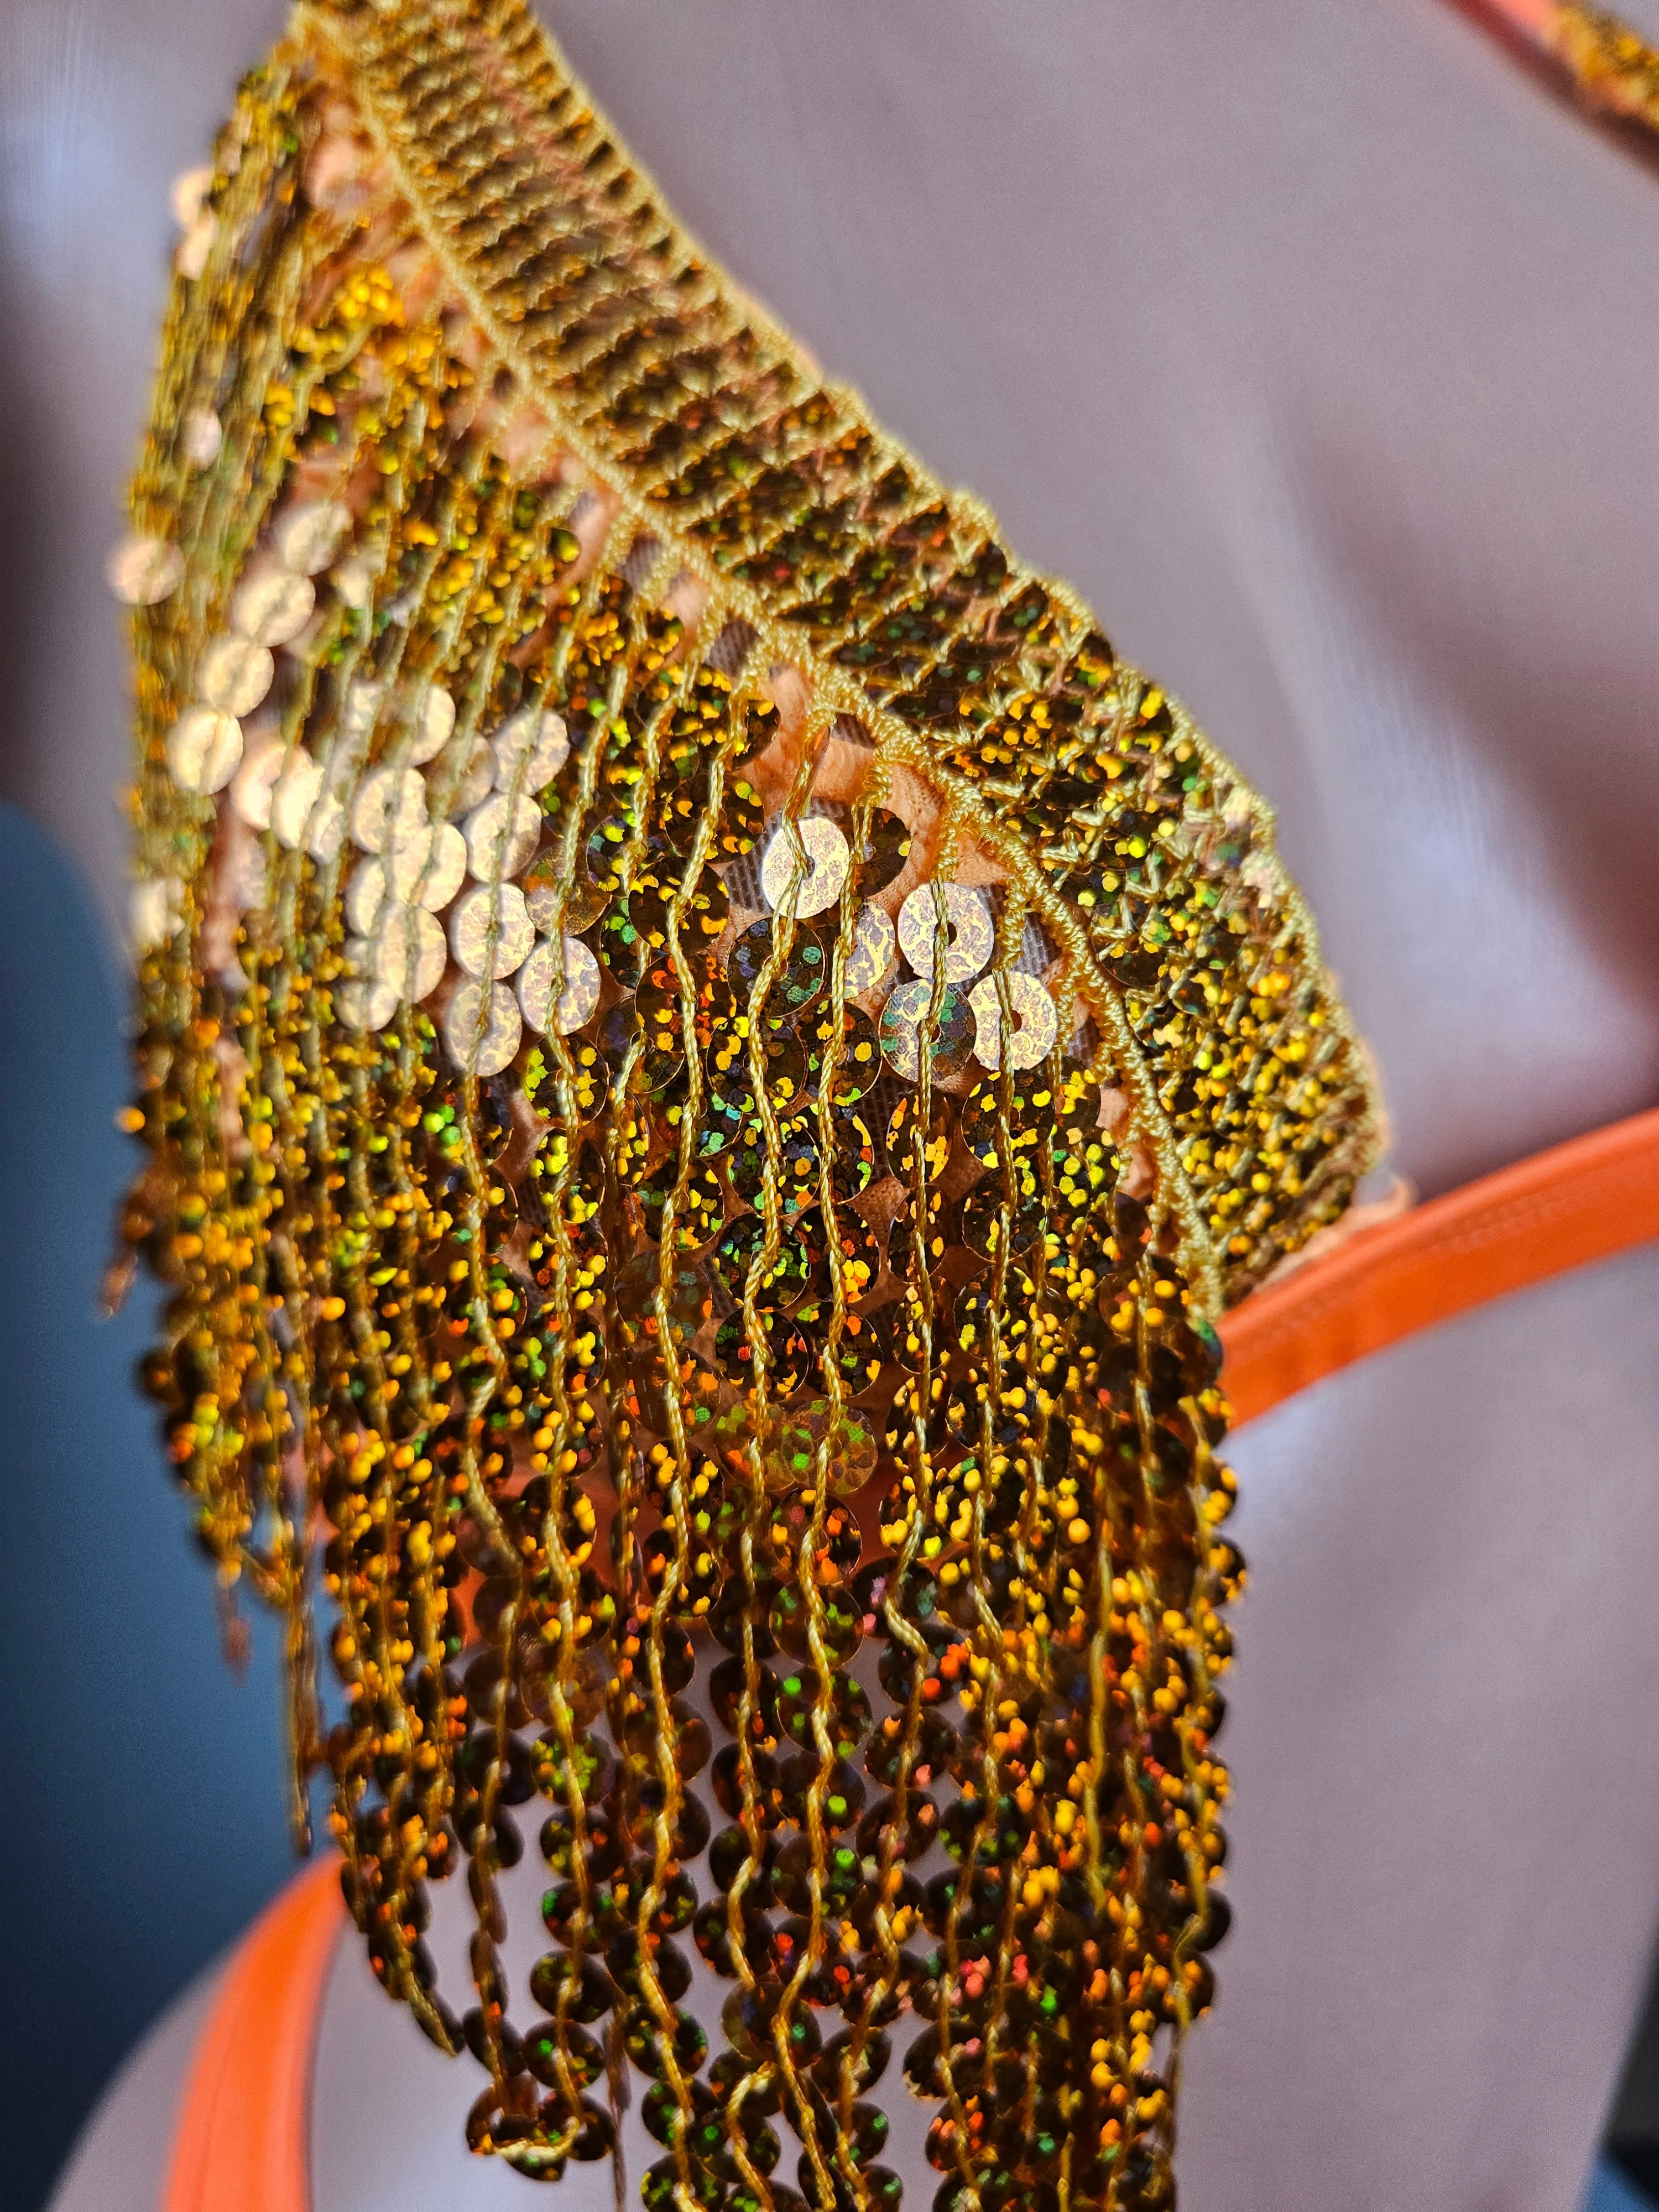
(709, 1056)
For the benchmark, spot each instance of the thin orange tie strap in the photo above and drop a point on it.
(1534, 19)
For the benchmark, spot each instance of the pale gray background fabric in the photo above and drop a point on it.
(1317, 347)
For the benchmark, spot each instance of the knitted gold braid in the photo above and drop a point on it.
(709, 1058)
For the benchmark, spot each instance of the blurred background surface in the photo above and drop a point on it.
(144, 1822)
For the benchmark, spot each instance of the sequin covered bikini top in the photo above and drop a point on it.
(711, 1060)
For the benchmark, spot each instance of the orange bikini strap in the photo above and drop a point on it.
(1580, 1202)
(1535, 19)
(243, 2143)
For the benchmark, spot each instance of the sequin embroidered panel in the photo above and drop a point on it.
(709, 1058)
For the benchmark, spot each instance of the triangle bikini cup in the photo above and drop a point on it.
(711, 1062)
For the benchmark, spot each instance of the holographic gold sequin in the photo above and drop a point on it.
(649, 1329)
